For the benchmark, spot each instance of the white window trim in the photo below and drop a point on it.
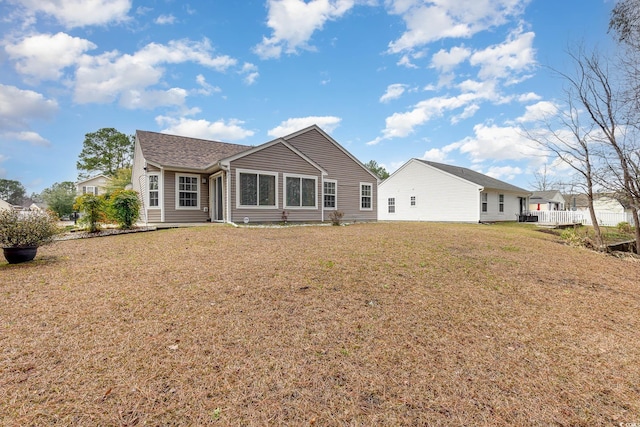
(187, 208)
(335, 182)
(413, 201)
(484, 203)
(371, 196)
(149, 190)
(501, 204)
(94, 190)
(257, 172)
(284, 191)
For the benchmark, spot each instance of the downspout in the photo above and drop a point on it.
(227, 198)
(322, 199)
(161, 194)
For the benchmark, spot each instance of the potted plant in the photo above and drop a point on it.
(21, 233)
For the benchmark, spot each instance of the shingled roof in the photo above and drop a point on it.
(475, 177)
(182, 152)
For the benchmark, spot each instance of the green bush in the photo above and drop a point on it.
(624, 227)
(24, 229)
(93, 208)
(124, 208)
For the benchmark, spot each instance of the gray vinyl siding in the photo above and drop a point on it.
(171, 214)
(276, 158)
(343, 169)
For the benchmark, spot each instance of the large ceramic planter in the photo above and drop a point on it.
(17, 255)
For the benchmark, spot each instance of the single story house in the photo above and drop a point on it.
(5, 205)
(421, 190)
(303, 176)
(546, 201)
(93, 185)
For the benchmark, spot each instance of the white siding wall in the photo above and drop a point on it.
(511, 207)
(439, 196)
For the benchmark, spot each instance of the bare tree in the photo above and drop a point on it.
(601, 96)
(564, 136)
(542, 180)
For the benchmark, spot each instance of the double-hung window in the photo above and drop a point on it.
(485, 199)
(154, 191)
(366, 196)
(257, 189)
(187, 192)
(501, 203)
(413, 201)
(392, 204)
(90, 189)
(300, 191)
(330, 193)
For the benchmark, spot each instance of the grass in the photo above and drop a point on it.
(370, 324)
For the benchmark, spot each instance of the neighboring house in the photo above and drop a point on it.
(300, 177)
(602, 203)
(94, 185)
(427, 191)
(610, 204)
(546, 201)
(5, 205)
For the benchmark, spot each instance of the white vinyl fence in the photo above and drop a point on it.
(607, 219)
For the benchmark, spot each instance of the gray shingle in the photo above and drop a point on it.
(183, 152)
(476, 177)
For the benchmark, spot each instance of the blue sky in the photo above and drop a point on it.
(444, 80)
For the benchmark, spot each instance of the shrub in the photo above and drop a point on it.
(124, 207)
(624, 227)
(93, 208)
(336, 217)
(24, 229)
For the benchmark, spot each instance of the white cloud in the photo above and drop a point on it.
(435, 155)
(498, 143)
(504, 172)
(18, 107)
(111, 76)
(27, 136)
(221, 130)
(293, 22)
(446, 61)
(250, 72)
(400, 125)
(327, 123)
(165, 20)
(405, 61)
(205, 88)
(44, 56)
(469, 111)
(394, 91)
(514, 56)
(538, 111)
(530, 96)
(79, 13)
(448, 19)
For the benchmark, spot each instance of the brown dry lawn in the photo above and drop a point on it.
(369, 324)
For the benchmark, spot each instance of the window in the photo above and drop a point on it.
(413, 200)
(501, 203)
(300, 191)
(366, 191)
(154, 191)
(90, 189)
(187, 192)
(330, 194)
(257, 189)
(485, 198)
(392, 204)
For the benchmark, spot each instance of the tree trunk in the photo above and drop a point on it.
(634, 215)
